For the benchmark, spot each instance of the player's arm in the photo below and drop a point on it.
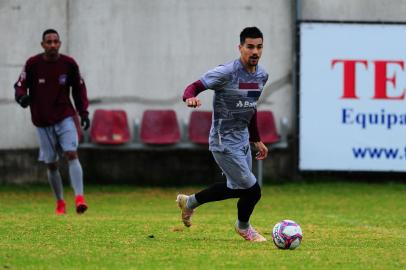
(191, 92)
(256, 139)
(79, 94)
(213, 79)
(21, 89)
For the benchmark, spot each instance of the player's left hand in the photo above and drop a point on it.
(85, 122)
(262, 150)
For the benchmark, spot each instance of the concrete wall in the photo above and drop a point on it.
(353, 10)
(21, 25)
(141, 54)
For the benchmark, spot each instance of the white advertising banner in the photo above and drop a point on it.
(352, 97)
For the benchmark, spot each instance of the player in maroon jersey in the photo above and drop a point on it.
(45, 85)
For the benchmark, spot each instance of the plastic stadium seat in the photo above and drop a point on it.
(266, 127)
(199, 127)
(109, 127)
(159, 127)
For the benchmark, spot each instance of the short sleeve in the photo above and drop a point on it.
(216, 78)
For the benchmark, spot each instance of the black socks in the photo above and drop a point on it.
(219, 191)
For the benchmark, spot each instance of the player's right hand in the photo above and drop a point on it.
(24, 101)
(193, 102)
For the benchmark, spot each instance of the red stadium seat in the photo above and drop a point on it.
(199, 127)
(266, 127)
(109, 127)
(159, 127)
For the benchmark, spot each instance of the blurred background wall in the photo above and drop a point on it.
(140, 54)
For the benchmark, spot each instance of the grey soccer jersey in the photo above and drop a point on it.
(235, 98)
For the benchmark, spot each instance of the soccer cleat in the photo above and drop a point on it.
(81, 206)
(60, 207)
(250, 234)
(186, 212)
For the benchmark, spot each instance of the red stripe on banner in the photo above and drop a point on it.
(251, 86)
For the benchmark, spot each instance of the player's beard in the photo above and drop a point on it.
(253, 61)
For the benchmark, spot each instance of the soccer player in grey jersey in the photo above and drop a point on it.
(237, 85)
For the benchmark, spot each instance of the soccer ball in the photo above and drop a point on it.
(287, 234)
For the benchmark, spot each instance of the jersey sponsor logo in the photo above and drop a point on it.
(245, 104)
(41, 80)
(62, 79)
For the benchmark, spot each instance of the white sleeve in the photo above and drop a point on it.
(216, 78)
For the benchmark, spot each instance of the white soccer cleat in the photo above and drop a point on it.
(186, 212)
(250, 234)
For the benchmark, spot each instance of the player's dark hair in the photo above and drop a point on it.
(49, 31)
(250, 32)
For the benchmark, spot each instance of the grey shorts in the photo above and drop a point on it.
(236, 165)
(57, 139)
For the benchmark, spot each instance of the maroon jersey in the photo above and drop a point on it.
(48, 84)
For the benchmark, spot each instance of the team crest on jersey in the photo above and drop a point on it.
(252, 88)
(248, 86)
(62, 79)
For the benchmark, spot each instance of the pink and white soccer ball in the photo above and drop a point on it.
(287, 234)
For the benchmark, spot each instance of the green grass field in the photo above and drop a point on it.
(345, 226)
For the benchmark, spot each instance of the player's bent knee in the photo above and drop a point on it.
(257, 195)
(71, 155)
(255, 192)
